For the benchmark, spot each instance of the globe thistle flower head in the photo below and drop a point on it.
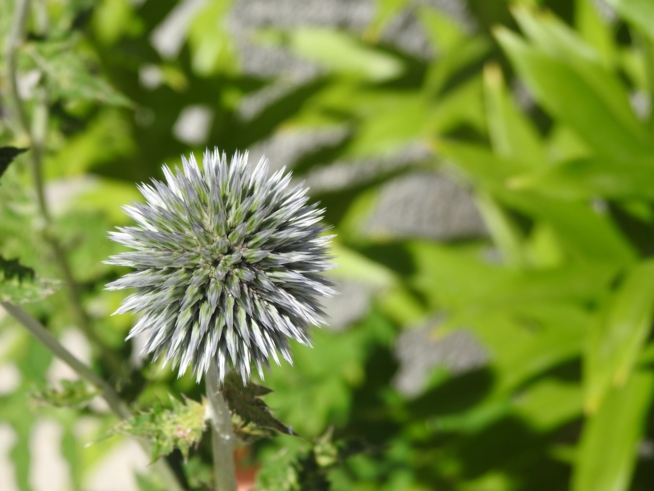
(228, 265)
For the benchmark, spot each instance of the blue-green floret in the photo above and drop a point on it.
(228, 265)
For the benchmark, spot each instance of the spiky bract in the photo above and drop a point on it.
(228, 265)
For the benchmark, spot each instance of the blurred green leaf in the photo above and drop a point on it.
(68, 76)
(549, 404)
(211, 44)
(323, 378)
(444, 32)
(385, 11)
(595, 31)
(577, 91)
(590, 177)
(303, 467)
(114, 18)
(343, 54)
(19, 284)
(511, 132)
(7, 155)
(70, 394)
(607, 452)
(614, 347)
(637, 12)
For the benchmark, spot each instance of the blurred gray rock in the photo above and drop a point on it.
(421, 350)
(425, 205)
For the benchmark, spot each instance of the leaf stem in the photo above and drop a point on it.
(106, 391)
(36, 132)
(222, 436)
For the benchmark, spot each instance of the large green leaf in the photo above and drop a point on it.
(553, 37)
(566, 90)
(212, 47)
(343, 54)
(590, 177)
(607, 452)
(614, 347)
(638, 12)
(586, 233)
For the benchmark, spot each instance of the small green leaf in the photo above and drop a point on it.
(179, 426)
(251, 417)
(72, 394)
(19, 284)
(608, 449)
(7, 155)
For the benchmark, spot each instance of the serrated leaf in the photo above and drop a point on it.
(72, 394)
(68, 76)
(251, 416)
(178, 426)
(19, 284)
(7, 155)
(302, 467)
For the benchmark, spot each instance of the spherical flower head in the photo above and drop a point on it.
(228, 262)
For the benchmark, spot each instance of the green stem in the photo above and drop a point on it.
(106, 391)
(36, 132)
(222, 436)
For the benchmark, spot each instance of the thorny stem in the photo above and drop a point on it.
(106, 391)
(36, 132)
(222, 436)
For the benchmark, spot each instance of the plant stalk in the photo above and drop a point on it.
(222, 435)
(106, 391)
(36, 133)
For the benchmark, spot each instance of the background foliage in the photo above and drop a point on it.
(541, 110)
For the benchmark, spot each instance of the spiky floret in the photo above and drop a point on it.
(228, 265)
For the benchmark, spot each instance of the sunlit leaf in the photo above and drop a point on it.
(19, 284)
(637, 12)
(608, 449)
(71, 394)
(343, 54)
(178, 426)
(69, 77)
(615, 345)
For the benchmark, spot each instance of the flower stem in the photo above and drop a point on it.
(222, 436)
(106, 391)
